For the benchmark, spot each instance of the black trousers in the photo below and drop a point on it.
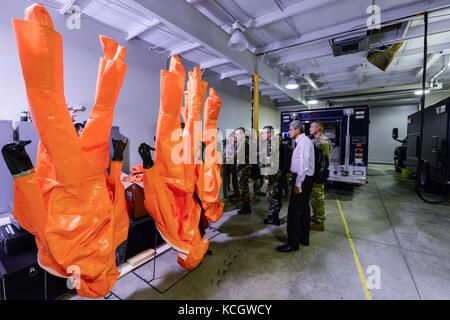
(299, 214)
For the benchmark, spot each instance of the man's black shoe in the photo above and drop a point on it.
(239, 206)
(272, 220)
(244, 210)
(287, 248)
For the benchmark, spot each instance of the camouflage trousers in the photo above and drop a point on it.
(234, 179)
(256, 185)
(318, 202)
(243, 173)
(274, 192)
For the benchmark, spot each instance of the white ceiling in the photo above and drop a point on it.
(291, 37)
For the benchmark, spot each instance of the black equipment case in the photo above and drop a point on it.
(14, 241)
(21, 278)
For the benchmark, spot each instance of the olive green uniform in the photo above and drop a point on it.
(273, 187)
(255, 175)
(318, 189)
(243, 170)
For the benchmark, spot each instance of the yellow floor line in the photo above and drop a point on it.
(355, 256)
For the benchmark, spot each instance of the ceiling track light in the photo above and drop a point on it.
(292, 84)
(238, 41)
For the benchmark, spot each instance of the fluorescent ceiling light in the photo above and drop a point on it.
(420, 92)
(291, 84)
(313, 102)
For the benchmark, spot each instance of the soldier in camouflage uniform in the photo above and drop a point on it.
(243, 169)
(318, 190)
(286, 175)
(271, 170)
(255, 174)
(231, 170)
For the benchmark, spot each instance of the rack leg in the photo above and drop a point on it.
(45, 285)
(154, 259)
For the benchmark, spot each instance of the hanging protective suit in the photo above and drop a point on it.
(212, 180)
(73, 207)
(177, 173)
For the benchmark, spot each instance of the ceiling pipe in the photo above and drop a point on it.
(370, 101)
(311, 82)
(437, 75)
(376, 96)
(66, 6)
(408, 100)
(372, 94)
(431, 60)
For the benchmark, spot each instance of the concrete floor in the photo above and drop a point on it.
(408, 240)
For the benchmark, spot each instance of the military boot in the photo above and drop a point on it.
(245, 209)
(317, 227)
(271, 219)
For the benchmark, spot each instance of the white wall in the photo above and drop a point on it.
(382, 121)
(268, 116)
(137, 107)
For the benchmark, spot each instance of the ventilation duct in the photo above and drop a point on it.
(350, 44)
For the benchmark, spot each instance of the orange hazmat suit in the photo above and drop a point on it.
(212, 180)
(73, 207)
(178, 170)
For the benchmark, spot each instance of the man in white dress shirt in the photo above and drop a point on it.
(299, 212)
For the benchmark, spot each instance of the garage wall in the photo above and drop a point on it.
(268, 116)
(137, 107)
(382, 121)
